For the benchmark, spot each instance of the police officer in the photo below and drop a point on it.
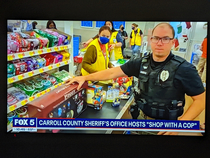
(164, 80)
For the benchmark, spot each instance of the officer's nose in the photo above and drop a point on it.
(159, 42)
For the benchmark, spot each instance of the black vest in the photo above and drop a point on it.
(157, 89)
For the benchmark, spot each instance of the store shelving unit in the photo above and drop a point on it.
(23, 76)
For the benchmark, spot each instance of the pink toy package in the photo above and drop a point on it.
(58, 57)
(12, 46)
(60, 37)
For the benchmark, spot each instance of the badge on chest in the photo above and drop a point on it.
(164, 75)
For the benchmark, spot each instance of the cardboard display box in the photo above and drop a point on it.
(62, 102)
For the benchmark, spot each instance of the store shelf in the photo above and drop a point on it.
(26, 101)
(9, 127)
(36, 72)
(36, 52)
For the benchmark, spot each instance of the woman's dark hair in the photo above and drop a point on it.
(113, 30)
(49, 22)
(34, 23)
(135, 25)
(105, 28)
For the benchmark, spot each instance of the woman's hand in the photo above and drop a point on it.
(111, 47)
(79, 79)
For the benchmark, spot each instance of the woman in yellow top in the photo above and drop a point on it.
(136, 39)
(96, 57)
(115, 41)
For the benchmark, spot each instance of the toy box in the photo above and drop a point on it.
(112, 94)
(95, 96)
(62, 102)
(124, 85)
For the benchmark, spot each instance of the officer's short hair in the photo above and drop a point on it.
(173, 32)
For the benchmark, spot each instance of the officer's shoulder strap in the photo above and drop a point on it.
(178, 59)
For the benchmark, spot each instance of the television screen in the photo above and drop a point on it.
(147, 77)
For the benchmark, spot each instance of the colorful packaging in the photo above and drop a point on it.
(95, 96)
(14, 95)
(20, 68)
(10, 116)
(44, 75)
(116, 102)
(12, 46)
(51, 78)
(53, 40)
(24, 35)
(124, 85)
(49, 58)
(46, 84)
(37, 84)
(41, 62)
(34, 43)
(22, 112)
(61, 38)
(78, 59)
(28, 88)
(58, 57)
(43, 42)
(11, 100)
(66, 55)
(10, 70)
(62, 75)
(31, 63)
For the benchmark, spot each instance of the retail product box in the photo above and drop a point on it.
(95, 96)
(62, 102)
(124, 85)
(68, 37)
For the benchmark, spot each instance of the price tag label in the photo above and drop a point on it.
(31, 99)
(9, 57)
(20, 77)
(50, 67)
(56, 86)
(49, 50)
(38, 95)
(40, 51)
(65, 47)
(56, 49)
(58, 64)
(65, 62)
(20, 55)
(59, 84)
(30, 74)
(48, 90)
(12, 108)
(41, 70)
(31, 53)
(10, 80)
(43, 92)
(61, 48)
(23, 102)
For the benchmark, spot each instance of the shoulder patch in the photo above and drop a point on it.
(179, 59)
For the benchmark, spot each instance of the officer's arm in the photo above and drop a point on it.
(106, 74)
(195, 108)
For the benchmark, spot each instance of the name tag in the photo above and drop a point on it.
(143, 72)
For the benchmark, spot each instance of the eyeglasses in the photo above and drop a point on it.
(164, 40)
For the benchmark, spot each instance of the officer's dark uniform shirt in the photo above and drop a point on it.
(186, 78)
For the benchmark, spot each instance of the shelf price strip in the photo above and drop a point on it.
(24, 102)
